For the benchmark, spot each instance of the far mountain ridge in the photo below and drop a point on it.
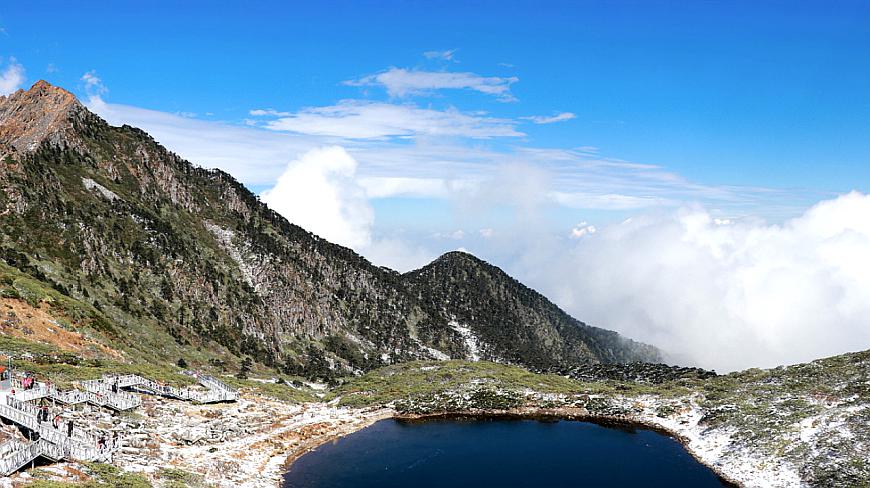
(178, 258)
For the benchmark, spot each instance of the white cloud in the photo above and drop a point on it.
(397, 186)
(746, 294)
(94, 86)
(543, 119)
(355, 119)
(447, 55)
(456, 235)
(386, 187)
(439, 163)
(12, 77)
(268, 112)
(487, 232)
(577, 178)
(401, 82)
(404, 150)
(609, 201)
(582, 229)
(319, 193)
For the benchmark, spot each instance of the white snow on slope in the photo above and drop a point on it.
(472, 343)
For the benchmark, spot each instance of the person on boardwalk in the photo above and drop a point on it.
(115, 387)
(115, 439)
(101, 442)
(69, 428)
(56, 422)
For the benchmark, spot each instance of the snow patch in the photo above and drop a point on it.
(435, 353)
(225, 237)
(105, 192)
(472, 343)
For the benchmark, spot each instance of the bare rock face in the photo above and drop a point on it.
(176, 254)
(43, 113)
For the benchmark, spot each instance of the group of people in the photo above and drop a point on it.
(44, 414)
(102, 442)
(28, 382)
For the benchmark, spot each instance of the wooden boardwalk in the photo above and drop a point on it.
(115, 392)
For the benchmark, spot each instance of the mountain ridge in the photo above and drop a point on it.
(194, 260)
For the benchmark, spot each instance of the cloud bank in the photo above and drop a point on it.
(319, 193)
(723, 295)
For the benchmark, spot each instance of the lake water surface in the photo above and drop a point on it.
(499, 453)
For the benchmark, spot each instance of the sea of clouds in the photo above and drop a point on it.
(721, 294)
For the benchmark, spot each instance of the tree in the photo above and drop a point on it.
(245, 369)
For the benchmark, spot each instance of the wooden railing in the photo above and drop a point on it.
(80, 445)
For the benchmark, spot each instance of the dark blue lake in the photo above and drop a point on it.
(499, 453)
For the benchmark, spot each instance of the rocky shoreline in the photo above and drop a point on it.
(535, 413)
(695, 446)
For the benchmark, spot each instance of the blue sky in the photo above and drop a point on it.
(769, 101)
(677, 171)
(747, 93)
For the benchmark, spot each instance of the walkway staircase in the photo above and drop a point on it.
(95, 393)
(217, 391)
(53, 443)
(15, 455)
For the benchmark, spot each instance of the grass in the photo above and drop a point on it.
(426, 378)
(16, 284)
(108, 476)
(102, 476)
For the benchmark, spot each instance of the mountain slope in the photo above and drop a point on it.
(505, 320)
(177, 257)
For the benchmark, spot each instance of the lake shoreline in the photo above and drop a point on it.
(522, 413)
(576, 415)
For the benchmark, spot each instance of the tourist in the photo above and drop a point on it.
(101, 443)
(69, 428)
(115, 439)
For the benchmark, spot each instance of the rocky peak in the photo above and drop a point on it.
(44, 112)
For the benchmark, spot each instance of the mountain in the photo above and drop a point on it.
(504, 320)
(171, 260)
